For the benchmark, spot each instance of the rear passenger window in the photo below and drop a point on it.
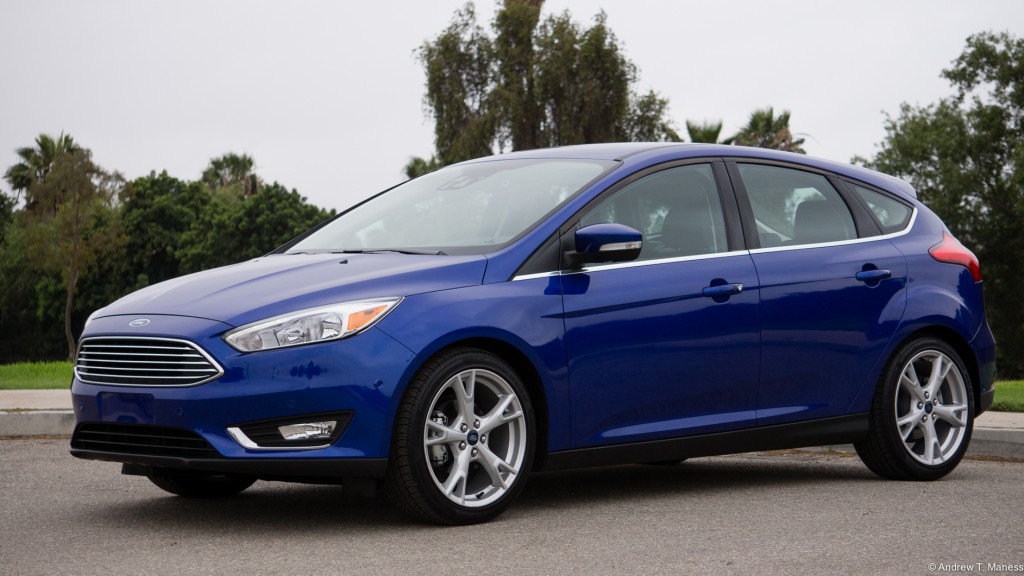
(793, 207)
(892, 214)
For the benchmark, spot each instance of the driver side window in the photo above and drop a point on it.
(677, 210)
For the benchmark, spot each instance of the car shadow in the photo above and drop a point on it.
(273, 507)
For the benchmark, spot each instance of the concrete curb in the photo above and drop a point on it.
(37, 423)
(999, 442)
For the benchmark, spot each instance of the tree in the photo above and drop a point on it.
(231, 169)
(158, 211)
(230, 227)
(74, 222)
(765, 130)
(705, 132)
(965, 156)
(35, 165)
(535, 83)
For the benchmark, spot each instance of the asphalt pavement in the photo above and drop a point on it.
(766, 514)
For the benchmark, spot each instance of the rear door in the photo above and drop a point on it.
(832, 289)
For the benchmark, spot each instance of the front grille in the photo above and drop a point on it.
(141, 440)
(144, 362)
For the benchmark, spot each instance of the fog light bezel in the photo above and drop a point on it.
(265, 434)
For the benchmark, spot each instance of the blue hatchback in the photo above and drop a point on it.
(577, 306)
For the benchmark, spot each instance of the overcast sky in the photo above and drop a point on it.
(327, 96)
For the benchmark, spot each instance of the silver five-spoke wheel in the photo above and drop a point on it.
(931, 407)
(475, 438)
(922, 414)
(463, 443)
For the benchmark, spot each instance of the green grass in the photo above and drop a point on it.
(1009, 396)
(57, 375)
(35, 376)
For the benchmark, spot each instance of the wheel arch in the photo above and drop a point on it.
(525, 369)
(958, 342)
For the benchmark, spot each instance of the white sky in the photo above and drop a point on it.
(327, 95)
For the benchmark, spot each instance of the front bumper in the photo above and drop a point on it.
(361, 375)
(266, 468)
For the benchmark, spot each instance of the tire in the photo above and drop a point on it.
(463, 443)
(192, 485)
(920, 425)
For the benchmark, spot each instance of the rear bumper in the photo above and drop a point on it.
(984, 346)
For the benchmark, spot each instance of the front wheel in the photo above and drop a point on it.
(463, 442)
(922, 415)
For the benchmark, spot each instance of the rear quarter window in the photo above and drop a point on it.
(893, 215)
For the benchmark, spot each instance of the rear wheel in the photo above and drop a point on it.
(194, 485)
(922, 415)
(463, 442)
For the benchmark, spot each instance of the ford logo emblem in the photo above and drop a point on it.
(139, 322)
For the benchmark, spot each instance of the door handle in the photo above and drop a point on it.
(722, 290)
(873, 275)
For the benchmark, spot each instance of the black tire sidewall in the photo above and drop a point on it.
(914, 469)
(459, 361)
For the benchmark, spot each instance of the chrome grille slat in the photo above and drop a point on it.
(88, 352)
(140, 347)
(152, 369)
(153, 362)
(144, 361)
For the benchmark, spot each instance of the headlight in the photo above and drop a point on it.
(321, 324)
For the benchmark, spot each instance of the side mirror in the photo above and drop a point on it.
(607, 242)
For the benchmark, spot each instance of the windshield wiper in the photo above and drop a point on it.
(394, 250)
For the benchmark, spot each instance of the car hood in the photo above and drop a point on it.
(279, 284)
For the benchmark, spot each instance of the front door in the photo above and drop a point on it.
(666, 345)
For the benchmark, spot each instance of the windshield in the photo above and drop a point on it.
(465, 209)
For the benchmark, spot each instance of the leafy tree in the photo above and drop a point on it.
(73, 224)
(158, 211)
(35, 164)
(766, 130)
(419, 166)
(704, 133)
(6, 213)
(232, 228)
(231, 169)
(534, 83)
(965, 156)
(27, 334)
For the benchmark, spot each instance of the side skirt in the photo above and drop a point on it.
(837, 430)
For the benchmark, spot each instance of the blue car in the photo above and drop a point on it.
(550, 309)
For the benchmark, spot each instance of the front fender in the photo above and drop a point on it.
(525, 315)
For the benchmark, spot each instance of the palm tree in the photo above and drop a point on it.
(704, 133)
(231, 169)
(35, 166)
(765, 130)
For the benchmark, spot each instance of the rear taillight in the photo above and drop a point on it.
(950, 250)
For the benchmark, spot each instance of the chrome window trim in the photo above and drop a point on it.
(635, 264)
(245, 442)
(891, 235)
(191, 345)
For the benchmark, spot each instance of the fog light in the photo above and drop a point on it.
(308, 430)
(299, 432)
